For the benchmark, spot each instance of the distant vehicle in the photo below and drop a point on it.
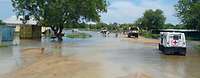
(104, 31)
(172, 43)
(75, 30)
(133, 32)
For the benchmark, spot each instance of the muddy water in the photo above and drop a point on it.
(97, 57)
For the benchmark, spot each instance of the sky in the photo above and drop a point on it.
(119, 11)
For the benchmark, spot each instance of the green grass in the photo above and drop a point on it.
(149, 35)
(197, 47)
(79, 35)
(2, 46)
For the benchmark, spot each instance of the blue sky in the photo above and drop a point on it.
(6, 9)
(127, 11)
(120, 11)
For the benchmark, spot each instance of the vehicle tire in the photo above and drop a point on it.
(136, 36)
(183, 52)
(129, 36)
(159, 47)
(166, 51)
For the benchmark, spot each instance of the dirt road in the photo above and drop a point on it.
(101, 57)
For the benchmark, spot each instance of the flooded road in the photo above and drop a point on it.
(96, 57)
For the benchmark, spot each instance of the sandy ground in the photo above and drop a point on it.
(138, 75)
(106, 60)
(141, 40)
(41, 65)
(38, 64)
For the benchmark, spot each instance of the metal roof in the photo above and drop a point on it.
(179, 30)
(13, 20)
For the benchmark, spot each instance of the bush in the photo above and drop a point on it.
(155, 36)
(2, 46)
(147, 34)
(193, 38)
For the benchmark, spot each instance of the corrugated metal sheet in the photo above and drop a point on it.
(13, 20)
(30, 32)
(36, 32)
(26, 32)
(7, 33)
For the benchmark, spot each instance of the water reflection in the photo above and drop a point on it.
(9, 59)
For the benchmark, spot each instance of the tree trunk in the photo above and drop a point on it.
(58, 32)
(60, 35)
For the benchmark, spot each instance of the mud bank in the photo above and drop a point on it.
(142, 40)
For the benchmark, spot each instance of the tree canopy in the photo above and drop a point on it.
(169, 26)
(151, 20)
(189, 13)
(57, 13)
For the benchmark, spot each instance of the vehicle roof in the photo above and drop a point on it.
(171, 33)
(178, 30)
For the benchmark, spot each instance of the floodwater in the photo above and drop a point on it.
(96, 57)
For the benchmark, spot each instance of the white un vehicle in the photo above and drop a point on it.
(172, 43)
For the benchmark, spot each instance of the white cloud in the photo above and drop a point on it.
(121, 11)
(125, 11)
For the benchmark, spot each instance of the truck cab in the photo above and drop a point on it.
(172, 43)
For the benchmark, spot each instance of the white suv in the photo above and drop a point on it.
(172, 43)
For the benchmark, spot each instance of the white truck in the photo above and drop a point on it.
(172, 43)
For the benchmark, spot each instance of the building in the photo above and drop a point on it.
(6, 33)
(30, 30)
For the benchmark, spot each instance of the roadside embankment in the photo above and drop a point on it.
(141, 40)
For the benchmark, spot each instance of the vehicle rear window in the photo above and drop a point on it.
(176, 37)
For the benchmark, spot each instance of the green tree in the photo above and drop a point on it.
(100, 25)
(180, 26)
(139, 23)
(169, 26)
(151, 20)
(2, 23)
(125, 27)
(57, 13)
(189, 13)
